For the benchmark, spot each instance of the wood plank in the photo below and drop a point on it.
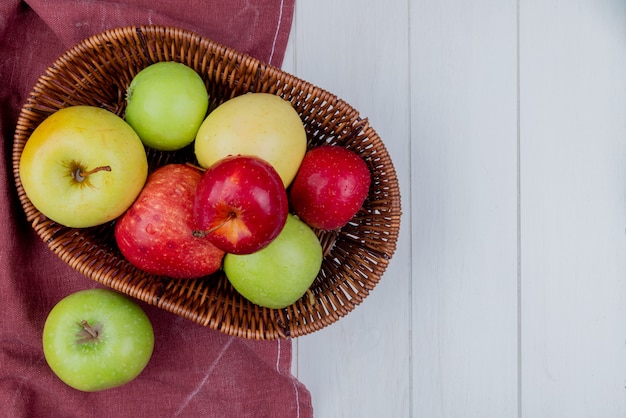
(573, 131)
(464, 208)
(360, 366)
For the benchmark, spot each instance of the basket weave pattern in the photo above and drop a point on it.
(97, 72)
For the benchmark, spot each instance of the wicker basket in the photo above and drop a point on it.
(97, 72)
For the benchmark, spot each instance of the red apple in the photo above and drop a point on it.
(330, 187)
(241, 204)
(157, 233)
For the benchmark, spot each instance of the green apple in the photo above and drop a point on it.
(83, 166)
(166, 103)
(255, 124)
(281, 273)
(97, 339)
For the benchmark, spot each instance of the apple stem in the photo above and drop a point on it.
(89, 329)
(197, 167)
(81, 175)
(201, 234)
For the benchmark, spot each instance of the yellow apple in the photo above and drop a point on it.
(83, 166)
(262, 125)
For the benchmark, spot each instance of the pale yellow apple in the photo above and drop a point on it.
(83, 166)
(254, 124)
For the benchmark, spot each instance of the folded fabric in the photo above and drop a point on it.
(194, 371)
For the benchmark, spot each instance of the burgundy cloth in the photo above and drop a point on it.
(194, 371)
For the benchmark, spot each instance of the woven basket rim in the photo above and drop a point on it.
(87, 71)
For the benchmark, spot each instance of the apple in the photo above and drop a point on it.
(83, 166)
(330, 187)
(240, 204)
(166, 104)
(97, 339)
(157, 233)
(279, 274)
(258, 124)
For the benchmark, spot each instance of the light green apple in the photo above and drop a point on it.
(97, 339)
(83, 166)
(281, 273)
(166, 103)
(254, 124)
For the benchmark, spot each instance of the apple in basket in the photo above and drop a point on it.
(282, 272)
(256, 124)
(83, 166)
(97, 339)
(166, 103)
(157, 233)
(240, 204)
(330, 187)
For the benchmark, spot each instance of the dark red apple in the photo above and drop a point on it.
(157, 233)
(330, 187)
(241, 204)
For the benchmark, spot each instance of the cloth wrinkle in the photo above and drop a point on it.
(294, 385)
(280, 18)
(208, 373)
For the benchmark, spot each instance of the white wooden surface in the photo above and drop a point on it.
(506, 121)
